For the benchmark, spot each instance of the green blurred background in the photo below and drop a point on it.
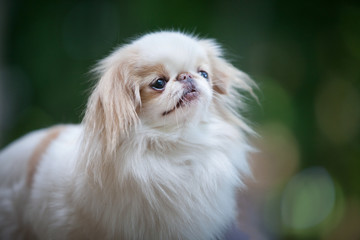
(304, 55)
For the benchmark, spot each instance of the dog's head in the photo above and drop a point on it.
(163, 81)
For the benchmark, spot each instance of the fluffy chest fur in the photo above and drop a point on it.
(183, 189)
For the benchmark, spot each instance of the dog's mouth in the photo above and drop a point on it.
(187, 97)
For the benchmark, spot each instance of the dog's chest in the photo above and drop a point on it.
(193, 191)
(189, 196)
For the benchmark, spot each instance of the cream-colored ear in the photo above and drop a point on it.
(228, 82)
(111, 110)
(224, 75)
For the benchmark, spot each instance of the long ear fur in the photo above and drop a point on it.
(228, 82)
(111, 111)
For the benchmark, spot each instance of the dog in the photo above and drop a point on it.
(160, 153)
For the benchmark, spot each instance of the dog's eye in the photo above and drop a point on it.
(204, 74)
(159, 84)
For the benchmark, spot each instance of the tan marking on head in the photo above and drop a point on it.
(158, 70)
(147, 94)
(147, 70)
(40, 149)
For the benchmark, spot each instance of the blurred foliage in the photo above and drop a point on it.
(304, 55)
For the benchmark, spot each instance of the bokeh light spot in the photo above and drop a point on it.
(277, 104)
(307, 199)
(278, 155)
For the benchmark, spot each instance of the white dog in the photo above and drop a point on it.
(159, 154)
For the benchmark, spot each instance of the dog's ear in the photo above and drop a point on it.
(111, 109)
(228, 83)
(225, 75)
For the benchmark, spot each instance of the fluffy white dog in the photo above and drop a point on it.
(159, 154)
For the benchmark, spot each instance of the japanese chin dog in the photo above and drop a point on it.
(160, 153)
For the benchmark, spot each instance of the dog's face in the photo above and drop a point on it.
(162, 80)
(175, 78)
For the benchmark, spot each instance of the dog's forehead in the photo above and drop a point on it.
(176, 51)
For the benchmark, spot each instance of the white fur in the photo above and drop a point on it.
(128, 172)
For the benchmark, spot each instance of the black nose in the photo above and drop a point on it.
(185, 77)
